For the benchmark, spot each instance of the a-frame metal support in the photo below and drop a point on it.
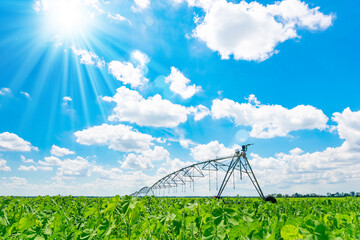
(240, 160)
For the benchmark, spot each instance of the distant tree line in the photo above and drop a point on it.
(337, 194)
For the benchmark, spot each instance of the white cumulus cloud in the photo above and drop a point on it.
(251, 31)
(127, 73)
(141, 58)
(211, 150)
(79, 167)
(25, 160)
(153, 111)
(145, 159)
(3, 166)
(331, 166)
(268, 121)
(88, 57)
(50, 161)
(199, 112)
(117, 137)
(348, 126)
(298, 170)
(140, 5)
(179, 84)
(59, 152)
(12, 142)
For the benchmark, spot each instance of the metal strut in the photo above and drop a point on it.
(229, 171)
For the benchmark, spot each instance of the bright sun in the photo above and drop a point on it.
(66, 18)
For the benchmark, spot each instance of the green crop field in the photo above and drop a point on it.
(178, 218)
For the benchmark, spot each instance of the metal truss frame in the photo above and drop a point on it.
(229, 164)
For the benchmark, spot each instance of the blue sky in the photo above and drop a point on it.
(104, 97)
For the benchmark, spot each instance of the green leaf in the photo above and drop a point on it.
(39, 237)
(289, 232)
(209, 233)
(4, 221)
(217, 212)
(92, 210)
(26, 222)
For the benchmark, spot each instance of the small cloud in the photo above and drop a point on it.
(179, 84)
(25, 94)
(25, 160)
(88, 57)
(50, 161)
(140, 57)
(199, 112)
(56, 40)
(34, 168)
(67, 99)
(118, 18)
(253, 100)
(59, 152)
(5, 91)
(66, 106)
(3, 166)
(140, 5)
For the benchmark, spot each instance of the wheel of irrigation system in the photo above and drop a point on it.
(270, 199)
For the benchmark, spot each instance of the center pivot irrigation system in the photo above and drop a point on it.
(189, 174)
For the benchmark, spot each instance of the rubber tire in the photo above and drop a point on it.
(270, 199)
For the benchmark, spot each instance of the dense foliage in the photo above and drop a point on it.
(177, 218)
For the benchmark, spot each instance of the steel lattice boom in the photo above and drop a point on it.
(229, 164)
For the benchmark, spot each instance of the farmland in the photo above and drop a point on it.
(178, 218)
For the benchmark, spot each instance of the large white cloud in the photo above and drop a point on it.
(305, 172)
(12, 142)
(59, 152)
(211, 150)
(251, 31)
(79, 167)
(153, 111)
(179, 84)
(145, 159)
(118, 137)
(331, 166)
(348, 126)
(268, 121)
